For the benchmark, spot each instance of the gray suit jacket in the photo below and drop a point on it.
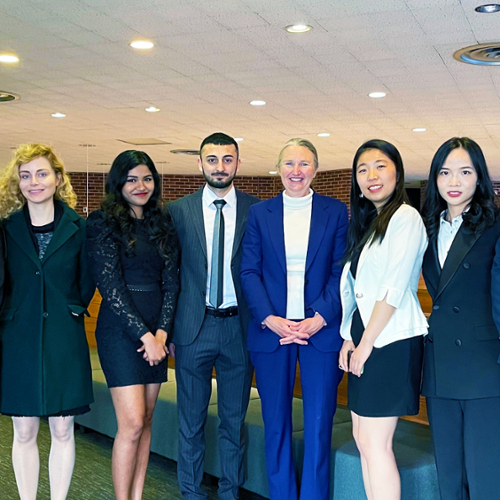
(187, 215)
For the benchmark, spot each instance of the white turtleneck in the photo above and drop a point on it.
(296, 223)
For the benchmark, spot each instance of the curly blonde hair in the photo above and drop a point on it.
(11, 198)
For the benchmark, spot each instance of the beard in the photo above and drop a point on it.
(226, 180)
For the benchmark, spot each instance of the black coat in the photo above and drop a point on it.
(462, 347)
(45, 362)
(2, 264)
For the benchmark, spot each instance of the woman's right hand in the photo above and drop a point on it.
(347, 346)
(154, 349)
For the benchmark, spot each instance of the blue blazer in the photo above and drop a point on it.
(263, 270)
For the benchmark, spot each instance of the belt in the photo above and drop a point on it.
(222, 313)
(152, 287)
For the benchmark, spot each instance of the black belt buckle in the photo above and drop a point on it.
(222, 313)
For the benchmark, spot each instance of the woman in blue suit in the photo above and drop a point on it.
(290, 276)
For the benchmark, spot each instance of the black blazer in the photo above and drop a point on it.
(462, 347)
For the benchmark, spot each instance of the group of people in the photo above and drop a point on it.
(220, 280)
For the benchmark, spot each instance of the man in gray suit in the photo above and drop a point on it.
(211, 319)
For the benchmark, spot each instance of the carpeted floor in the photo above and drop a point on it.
(92, 476)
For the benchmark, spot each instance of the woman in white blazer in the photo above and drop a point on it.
(382, 323)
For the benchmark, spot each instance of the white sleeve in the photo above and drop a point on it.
(404, 244)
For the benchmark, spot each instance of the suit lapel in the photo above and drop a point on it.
(463, 242)
(431, 266)
(17, 228)
(196, 207)
(319, 220)
(242, 206)
(276, 229)
(64, 231)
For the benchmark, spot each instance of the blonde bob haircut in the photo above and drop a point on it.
(299, 142)
(11, 198)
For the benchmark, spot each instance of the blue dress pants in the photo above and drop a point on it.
(320, 376)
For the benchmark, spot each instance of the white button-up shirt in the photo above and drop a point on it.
(229, 213)
(446, 235)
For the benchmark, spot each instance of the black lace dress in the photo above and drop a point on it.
(139, 295)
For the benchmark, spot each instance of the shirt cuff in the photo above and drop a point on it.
(316, 313)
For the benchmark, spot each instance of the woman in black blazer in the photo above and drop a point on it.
(461, 378)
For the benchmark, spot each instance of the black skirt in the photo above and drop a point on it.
(121, 363)
(390, 383)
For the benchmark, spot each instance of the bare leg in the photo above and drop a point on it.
(374, 441)
(130, 408)
(151, 395)
(25, 458)
(364, 463)
(62, 456)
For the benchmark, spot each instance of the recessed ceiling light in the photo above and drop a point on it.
(377, 95)
(152, 109)
(273, 172)
(8, 58)
(58, 115)
(142, 44)
(238, 139)
(258, 103)
(298, 28)
(324, 134)
(489, 8)
(419, 129)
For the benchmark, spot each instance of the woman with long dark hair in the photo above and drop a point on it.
(382, 321)
(44, 356)
(461, 377)
(133, 253)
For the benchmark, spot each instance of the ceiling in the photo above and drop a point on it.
(211, 57)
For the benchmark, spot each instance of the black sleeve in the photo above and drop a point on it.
(170, 281)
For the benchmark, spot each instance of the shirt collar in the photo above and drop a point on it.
(456, 220)
(209, 197)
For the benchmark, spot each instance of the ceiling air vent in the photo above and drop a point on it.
(8, 96)
(147, 141)
(483, 54)
(186, 152)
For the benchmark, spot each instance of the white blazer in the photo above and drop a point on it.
(388, 270)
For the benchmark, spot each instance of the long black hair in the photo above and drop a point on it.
(117, 210)
(365, 220)
(482, 211)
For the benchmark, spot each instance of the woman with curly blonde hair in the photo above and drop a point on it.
(44, 361)
(11, 198)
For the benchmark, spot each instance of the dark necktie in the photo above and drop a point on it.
(217, 270)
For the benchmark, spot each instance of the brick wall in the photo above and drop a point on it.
(95, 190)
(334, 183)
